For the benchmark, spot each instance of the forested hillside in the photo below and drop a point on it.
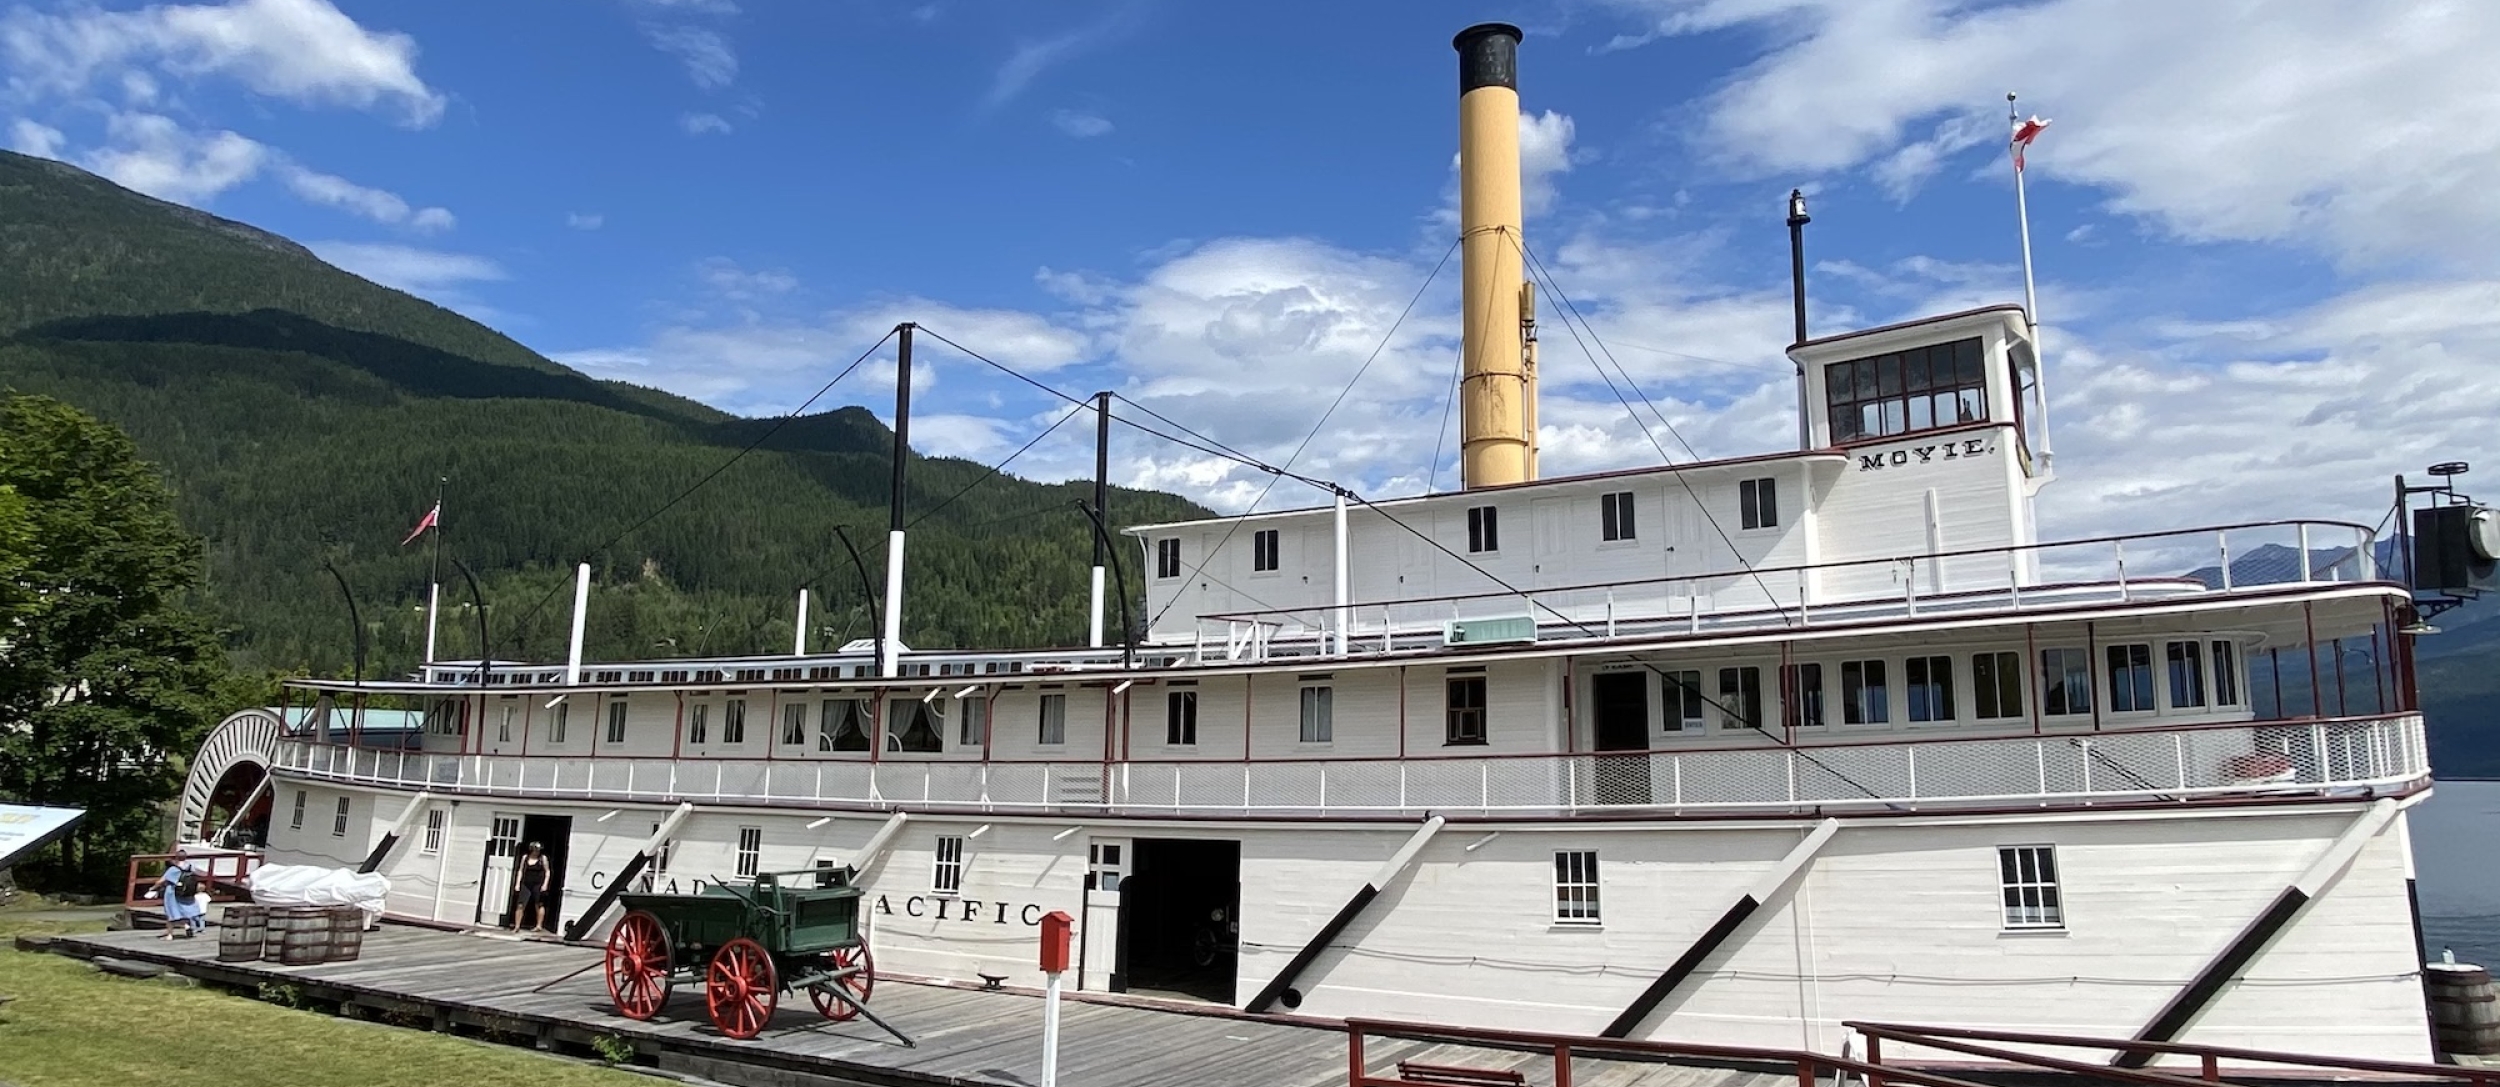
(304, 416)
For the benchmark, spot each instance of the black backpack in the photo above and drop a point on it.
(188, 884)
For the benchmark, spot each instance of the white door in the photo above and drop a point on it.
(1692, 549)
(1549, 519)
(1106, 869)
(494, 888)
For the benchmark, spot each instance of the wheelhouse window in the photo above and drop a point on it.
(946, 877)
(1864, 700)
(1614, 516)
(1918, 389)
(2131, 678)
(1054, 720)
(1575, 886)
(2065, 682)
(1167, 558)
(750, 850)
(1484, 529)
(1740, 696)
(1930, 682)
(1801, 695)
(1180, 718)
(1759, 502)
(2226, 673)
(1464, 713)
(1686, 706)
(1996, 684)
(2027, 877)
(2187, 673)
(1319, 715)
(1263, 549)
(842, 725)
(616, 721)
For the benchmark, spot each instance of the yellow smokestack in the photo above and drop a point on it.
(1494, 435)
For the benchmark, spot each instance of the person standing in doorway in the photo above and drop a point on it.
(529, 889)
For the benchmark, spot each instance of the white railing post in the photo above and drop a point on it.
(2223, 538)
(1679, 780)
(2040, 754)
(2120, 548)
(2317, 743)
(2365, 555)
(2178, 754)
(2304, 558)
(2086, 747)
(1484, 786)
(1912, 751)
(1401, 786)
(1792, 776)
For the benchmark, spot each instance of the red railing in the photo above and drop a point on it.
(2209, 1058)
(222, 873)
(1810, 1067)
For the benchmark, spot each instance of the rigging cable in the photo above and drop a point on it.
(1441, 437)
(995, 469)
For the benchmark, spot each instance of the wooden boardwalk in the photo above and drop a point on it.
(481, 981)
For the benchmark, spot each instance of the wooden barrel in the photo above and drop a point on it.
(2465, 1010)
(240, 933)
(347, 933)
(298, 936)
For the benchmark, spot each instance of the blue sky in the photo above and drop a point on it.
(2265, 232)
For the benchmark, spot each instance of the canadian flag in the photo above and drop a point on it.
(433, 519)
(2024, 132)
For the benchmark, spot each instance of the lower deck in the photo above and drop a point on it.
(552, 994)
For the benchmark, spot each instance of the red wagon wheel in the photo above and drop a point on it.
(742, 988)
(856, 985)
(639, 964)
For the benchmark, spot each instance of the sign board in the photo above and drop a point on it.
(23, 829)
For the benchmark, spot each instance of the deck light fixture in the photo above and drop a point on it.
(612, 812)
(820, 821)
(1063, 835)
(967, 690)
(1123, 685)
(977, 832)
(1471, 846)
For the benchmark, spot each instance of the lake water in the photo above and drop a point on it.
(2454, 834)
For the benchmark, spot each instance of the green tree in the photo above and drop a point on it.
(104, 672)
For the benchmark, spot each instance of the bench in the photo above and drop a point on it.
(1446, 1075)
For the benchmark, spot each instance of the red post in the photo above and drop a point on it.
(2213, 1069)
(1354, 1056)
(1057, 928)
(1805, 1072)
(1875, 1056)
(1562, 1064)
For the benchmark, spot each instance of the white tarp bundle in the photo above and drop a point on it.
(312, 885)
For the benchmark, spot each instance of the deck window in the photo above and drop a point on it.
(616, 721)
(946, 877)
(433, 841)
(1180, 718)
(794, 724)
(1996, 684)
(1759, 502)
(1167, 558)
(1575, 886)
(1864, 700)
(1740, 696)
(975, 730)
(699, 723)
(2226, 673)
(296, 821)
(556, 726)
(1801, 695)
(1484, 529)
(1918, 389)
(1930, 682)
(2131, 678)
(503, 730)
(1319, 715)
(842, 725)
(750, 850)
(2065, 682)
(1263, 549)
(913, 726)
(2027, 876)
(338, 824)
(733, 721)
(2187, 673)
(1465, 711)
(1615, 517)
(1054, 720)
(1686, 706)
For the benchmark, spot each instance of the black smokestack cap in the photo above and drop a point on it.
(1488, 56)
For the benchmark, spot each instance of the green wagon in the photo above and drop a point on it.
(747, 943)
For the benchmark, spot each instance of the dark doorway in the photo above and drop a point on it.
(554, 835)
(1620, 704)
(1180, 918)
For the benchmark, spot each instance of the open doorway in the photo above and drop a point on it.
(553, 834)
(1621, 704)
(1180, 918)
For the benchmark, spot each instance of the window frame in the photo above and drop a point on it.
(794, 723)
(973, 730)
(431, 843)
(1167, 558)
(733, 722)
(1802, 695)
(2183, 674)
(2228, 691)
(1683, 709)
(946, 866)
(699, 724)
(1180, 717)
(750, 855)
(1266, 550)
(1318, 702)
(296, 820)
(1740, 697)
(1616, 520)
(2058, 698)
(1484, 530)
(1758, 503)
(1578, 883)
(2145, 689)
(561, 723)
(1855, 708)
(1883, 381)
(616, 721)
(2028, 878)
(1463, 721)
(1993, 689)
(1051, 713)
(1931, 695)
(830, 739)
(338, 822)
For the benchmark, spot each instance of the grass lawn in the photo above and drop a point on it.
(71, 1026)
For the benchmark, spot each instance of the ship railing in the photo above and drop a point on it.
(2105, 569)
(2154, 765)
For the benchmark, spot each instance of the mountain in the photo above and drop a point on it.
(304, 415)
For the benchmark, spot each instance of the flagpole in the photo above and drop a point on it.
(2031, 295)
(434, 579)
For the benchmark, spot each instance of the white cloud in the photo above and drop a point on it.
(1032, 58)
(379, 205)
(417, 271)
(737, 284)
(710, 61)
(1080, 124)
(585, 220)
(39, 140)
(305, 51)
(698, 124)
(699, 7)
(153, 154)
(2360, 131)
